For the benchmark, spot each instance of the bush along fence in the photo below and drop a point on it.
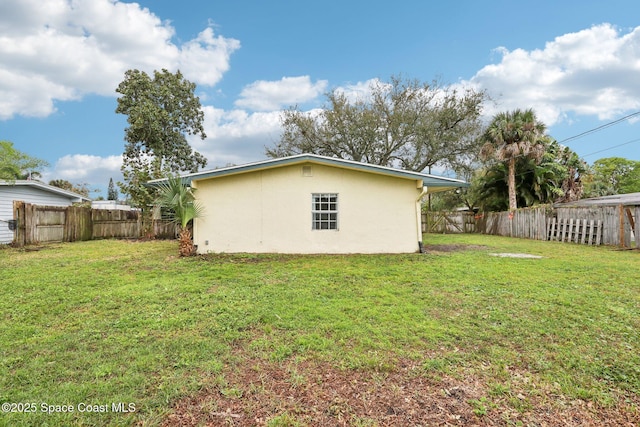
(617, 225)
(42, 224)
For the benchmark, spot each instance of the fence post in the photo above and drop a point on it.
(511, 214)
(31, 224)
(636, 233)
(19, 216)
(70, 226)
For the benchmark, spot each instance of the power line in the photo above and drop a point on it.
(526, 172)
(599, 128)
(580, 135)
(611, 148)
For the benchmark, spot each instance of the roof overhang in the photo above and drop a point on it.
(433, 183)
(48, 188)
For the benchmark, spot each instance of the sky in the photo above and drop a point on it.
(575, 62)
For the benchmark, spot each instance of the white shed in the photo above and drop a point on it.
(113, 205)
(33, 192)
(312, 204)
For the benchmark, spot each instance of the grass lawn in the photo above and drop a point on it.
(126, 333)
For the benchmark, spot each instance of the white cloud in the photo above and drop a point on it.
(204, 59)
(237, 136)
(233, 137)
(273, 95)
(590, 72)
(61, 50)
(360, 91)
(85, 168)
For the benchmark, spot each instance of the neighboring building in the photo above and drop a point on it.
(629, 199)
(110, 205)
(33, 192)
(311, 204)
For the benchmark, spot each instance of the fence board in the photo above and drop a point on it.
(551, 228)
(448, 222)
(78, 224)
(42, 224)
(580, 231)
(636, 229)
(114, 223)
(164, 229)
(607, 225)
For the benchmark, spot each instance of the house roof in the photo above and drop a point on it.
(433, 182)
(44, 187)
(630, 199)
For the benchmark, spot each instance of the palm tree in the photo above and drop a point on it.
(512, 135)
(182, 206)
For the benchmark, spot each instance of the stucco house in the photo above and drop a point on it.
(33, 192)
(311, 204)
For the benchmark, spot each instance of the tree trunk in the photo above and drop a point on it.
(513, 204)
(186, 244)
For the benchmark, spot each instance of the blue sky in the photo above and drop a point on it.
(577, 63)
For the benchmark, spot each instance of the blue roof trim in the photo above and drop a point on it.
(428, 179)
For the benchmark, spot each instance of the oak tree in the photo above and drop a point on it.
(403, 123)
(82, 189)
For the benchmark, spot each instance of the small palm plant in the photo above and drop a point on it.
(180, 201)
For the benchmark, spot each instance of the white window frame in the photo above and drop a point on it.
(324, 212)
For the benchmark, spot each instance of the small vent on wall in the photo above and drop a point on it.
(307, 171)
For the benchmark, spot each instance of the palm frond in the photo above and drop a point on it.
(180, 200)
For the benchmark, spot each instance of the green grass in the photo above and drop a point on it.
(104, 322)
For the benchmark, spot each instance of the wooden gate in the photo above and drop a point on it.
(448, 222)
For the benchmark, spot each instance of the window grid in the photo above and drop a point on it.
(324, 211)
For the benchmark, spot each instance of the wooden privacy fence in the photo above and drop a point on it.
(448, 222)
(528, 223)
(578, 231)
(42, 224)
(607, 225)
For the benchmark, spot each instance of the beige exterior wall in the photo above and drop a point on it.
(270, 211)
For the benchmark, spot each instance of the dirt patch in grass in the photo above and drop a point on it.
(452, 248)
(247, 258)
(264, 393)
(34, 248)
(516, 255)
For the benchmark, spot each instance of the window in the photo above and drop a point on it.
(324, 211)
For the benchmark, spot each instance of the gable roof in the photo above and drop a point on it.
(44, 187)
(438, 183)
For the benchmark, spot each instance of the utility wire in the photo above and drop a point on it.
(611, 148)
(585, 133)
(599, 128)
(586, 155)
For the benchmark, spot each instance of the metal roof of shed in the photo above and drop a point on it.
(45, 187)
(629, 199)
